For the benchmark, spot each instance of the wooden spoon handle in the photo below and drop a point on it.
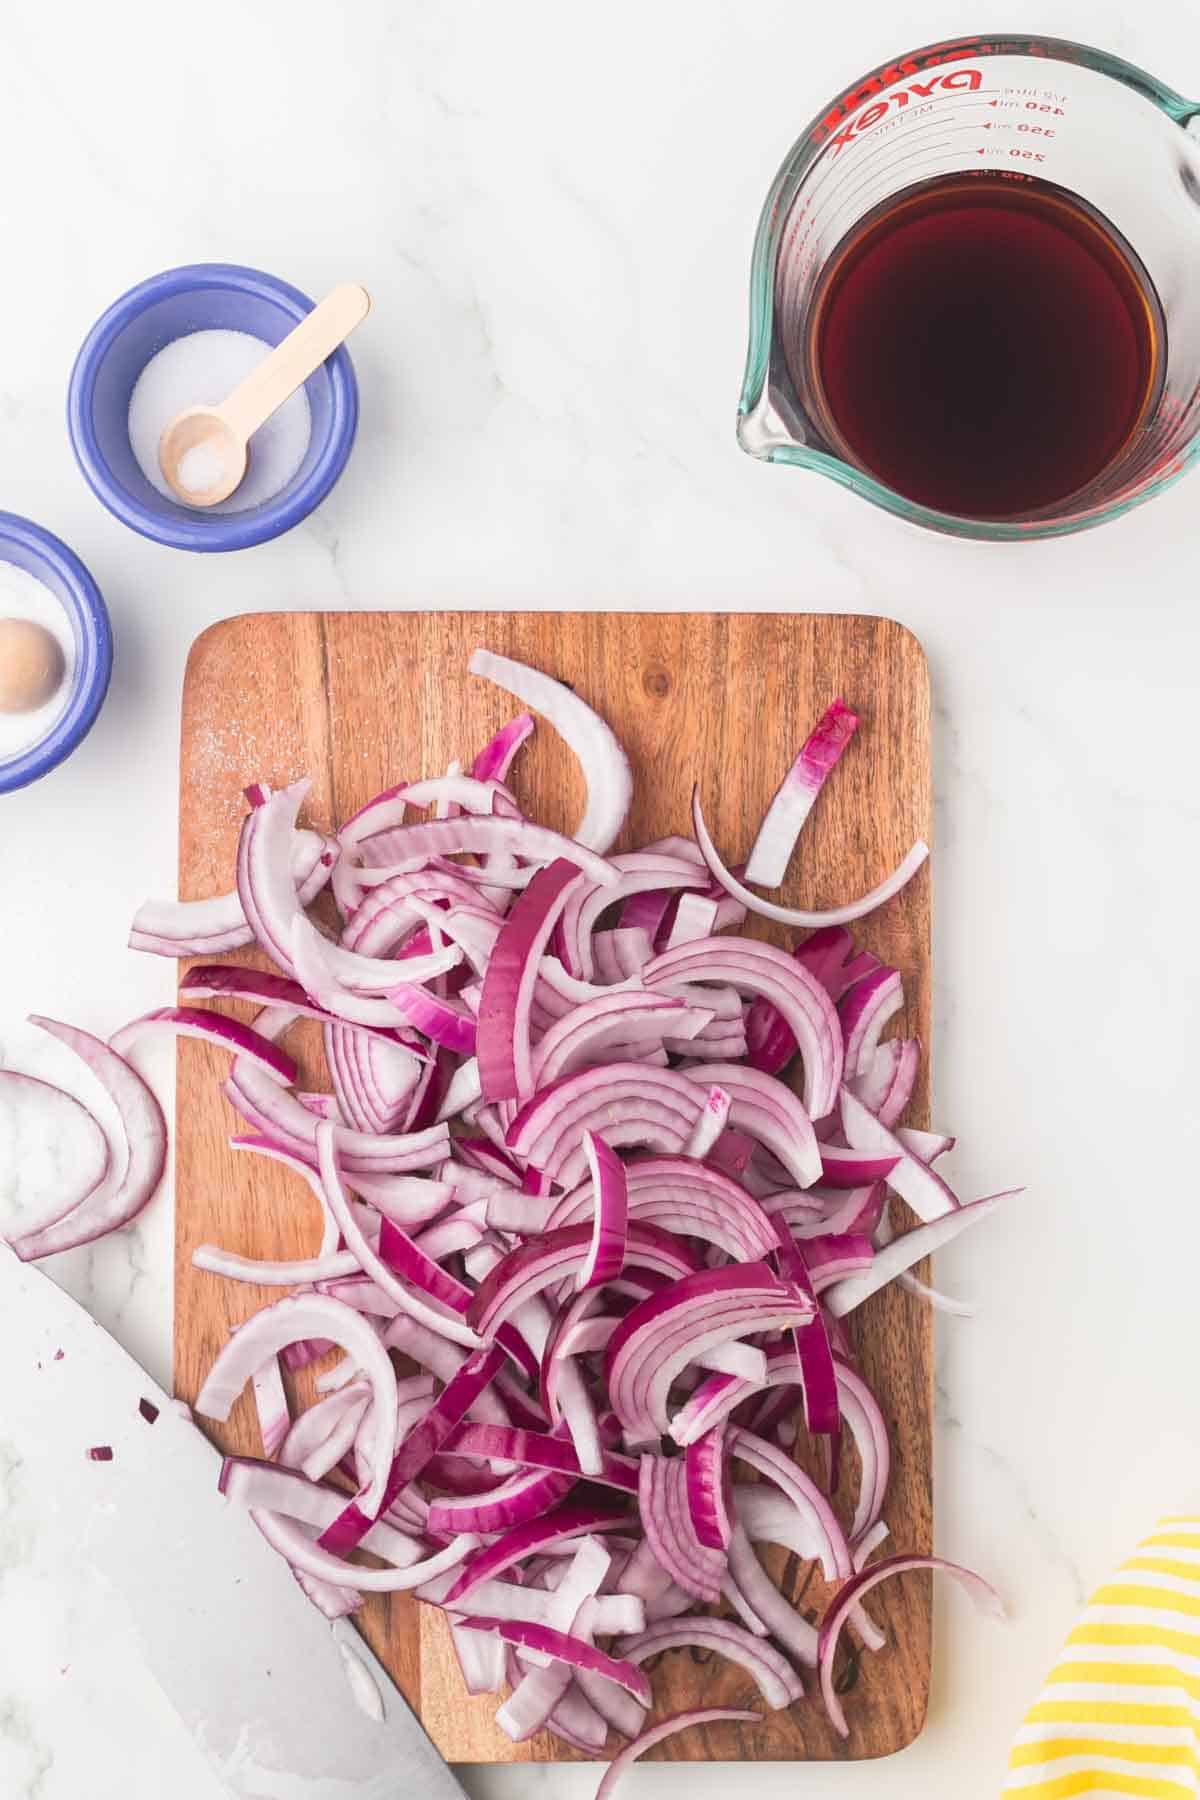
(293, 361)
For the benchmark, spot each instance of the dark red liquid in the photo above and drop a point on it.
(983, 345)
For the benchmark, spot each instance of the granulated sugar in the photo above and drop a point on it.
(200, 370)
(22, 596)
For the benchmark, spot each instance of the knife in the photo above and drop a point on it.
(280, 1701)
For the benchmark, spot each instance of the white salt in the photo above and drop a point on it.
(200, 468)
(22, 596)
(201, 370)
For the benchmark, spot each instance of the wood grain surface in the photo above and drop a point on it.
(359, 701)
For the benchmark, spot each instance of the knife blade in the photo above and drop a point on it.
(284, 1705)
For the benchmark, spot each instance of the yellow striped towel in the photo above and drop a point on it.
(1120, 1714)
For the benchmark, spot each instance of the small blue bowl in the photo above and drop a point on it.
(48, 560)
(200, 297)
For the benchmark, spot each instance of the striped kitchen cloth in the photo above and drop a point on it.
(1120, 1714)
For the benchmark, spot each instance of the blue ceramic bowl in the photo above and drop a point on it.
(200, 297)
(47, 558)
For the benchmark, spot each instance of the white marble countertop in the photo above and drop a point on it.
(553, 211)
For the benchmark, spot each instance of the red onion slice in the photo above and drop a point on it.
(610, 1215)
(560, 1526)
(209, 927)
(565, 1648)
(211, 1028)
(31, 1106)
(605, 766)
(984, 1595)
(904, 1251)
(801, 918)
(777, 1681)
(137, 1157)
(754, 968)
(928, 1195)
(502, 1039)
(767, 863)
(865, 1010)
(684, 1721)
(496, 758)
(306, 1316)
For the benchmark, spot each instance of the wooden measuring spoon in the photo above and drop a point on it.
(203, 452)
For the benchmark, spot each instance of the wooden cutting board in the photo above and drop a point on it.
(359, 701)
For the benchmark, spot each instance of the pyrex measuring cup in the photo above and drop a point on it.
(1076, 117)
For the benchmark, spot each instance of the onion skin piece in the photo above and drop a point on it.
(133, 1175)
(984, 1595)
(684, 1721)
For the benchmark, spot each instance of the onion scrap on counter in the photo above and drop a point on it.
(560, 1171)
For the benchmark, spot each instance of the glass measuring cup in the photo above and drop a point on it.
(1087, 122)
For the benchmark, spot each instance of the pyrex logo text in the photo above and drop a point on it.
(954, 80)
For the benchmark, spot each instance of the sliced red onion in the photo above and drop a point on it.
(668, 1521)
(845, 1168)
(787, 1626)
(422, 1441)
(801, 918)
(294, 1543)
(210, 927)
(560, 1526)
(605, 766)
(767, 1110)
(927, 1194)
(912, 1284)
(263, 1486)
(610, 1215)
(830, 956)
(137, 1155)
(865, 1010)
(210, 1028)
(502, 1041)
(777, 1681)
(905, 1251)
(229, 981)
(614, 1019)
(984, 1595)
(306, 1316)
(755, 968)
(58, 1118)
(887, 1086)
(270, 1403)
(496, 758)
(638, 872)
(565, 1648)
(278, 1115)
(926, 1146)
(511, 1503)
(666, 1331)
(277, 1273)
(710, 1124)
(369, 1261)
(474, 836)
(823, 1535)
(540, 1262)
(696, 916)
(785, 817)
(540, 1451)
(684, 1721)
(708, 1492)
